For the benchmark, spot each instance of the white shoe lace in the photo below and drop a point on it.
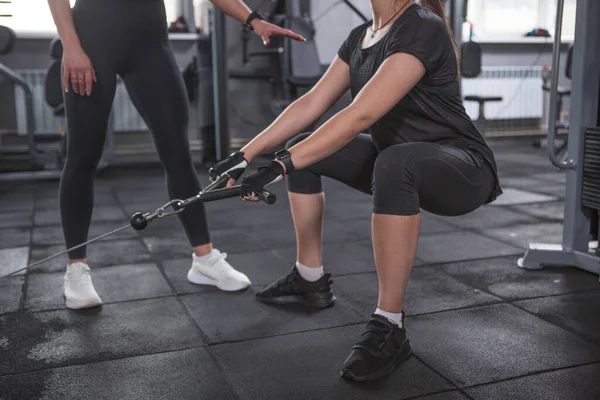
(219, 263)
(79, 279)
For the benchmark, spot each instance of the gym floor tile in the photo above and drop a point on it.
(489, 217)
(577, 312)
(579, 383)
(502, 277)
(52, 203)
(513, 196)
(65, 337)
(226, 316)
(559, 177)
(175, 247)
(99, 254)
(555, 189)
(53, 235)
(176, 273)
(13, 259)
(11, 291)
(429, 290)
(113, 284)
(15, 219)
(262, 215)
(522, 235)
(553, 211)
(157, 196)
(339, 258)
(307, 366)
(14, 237)
(281, 237)
(519, 182)
(434, 224)
(490, 343)
(454, 395)
(187, 374)
(458, 246)
(52, 217)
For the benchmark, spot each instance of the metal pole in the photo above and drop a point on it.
(584, 114)
(220, 78)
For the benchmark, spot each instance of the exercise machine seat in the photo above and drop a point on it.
(53, 85)
(7, 39)
(56, 49)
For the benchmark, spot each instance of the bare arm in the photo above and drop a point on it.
(238, 10)
(394, 79)
(61, 13)
(77, 67)
(303, 112)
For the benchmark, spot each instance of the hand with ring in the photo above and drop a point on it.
(78, 71)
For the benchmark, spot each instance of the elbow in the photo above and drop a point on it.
(360, 118)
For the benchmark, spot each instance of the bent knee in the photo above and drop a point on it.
(395, 181)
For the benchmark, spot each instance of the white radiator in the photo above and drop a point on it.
(125, 115)
(519, 87)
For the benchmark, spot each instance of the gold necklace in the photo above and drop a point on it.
(389, 20)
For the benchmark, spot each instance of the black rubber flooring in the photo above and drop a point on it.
(481, 327)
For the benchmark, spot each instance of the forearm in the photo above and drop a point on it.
(63, 19)
(330, 137)
(236, 9)
(294, 120)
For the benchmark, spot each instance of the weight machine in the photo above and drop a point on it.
(582, 161)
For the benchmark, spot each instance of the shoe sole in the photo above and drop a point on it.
(403, 356)
(198, 279)
(313, 300)
(73, 305)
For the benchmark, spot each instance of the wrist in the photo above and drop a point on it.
(71, 45)
(282, 164)
(253, 20)
(255, 24)
(248, 154)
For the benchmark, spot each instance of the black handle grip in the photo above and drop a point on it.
(235, 191)
(220, 194)
(266, 196)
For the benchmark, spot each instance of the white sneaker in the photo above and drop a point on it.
(216, 271)
(79, 290)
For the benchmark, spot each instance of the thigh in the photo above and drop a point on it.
(87, 116)
(157, 90)
(443, 180)
(352, 165)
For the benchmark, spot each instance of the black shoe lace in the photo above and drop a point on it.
(375, 337)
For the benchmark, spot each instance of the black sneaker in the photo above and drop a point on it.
(379, 351)
(293, 289)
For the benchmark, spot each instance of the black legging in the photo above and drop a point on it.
(404, 178)
(128, 38)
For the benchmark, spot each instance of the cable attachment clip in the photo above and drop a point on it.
(139, 221)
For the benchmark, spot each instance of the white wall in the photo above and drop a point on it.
(334, 27)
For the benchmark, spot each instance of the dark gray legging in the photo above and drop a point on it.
(128, 38)
(404, 178)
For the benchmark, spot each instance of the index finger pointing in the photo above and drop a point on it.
(293, 35)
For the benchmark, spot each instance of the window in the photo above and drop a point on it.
(34, 15)
(496, 19)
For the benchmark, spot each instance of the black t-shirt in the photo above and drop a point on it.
(432, 111)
